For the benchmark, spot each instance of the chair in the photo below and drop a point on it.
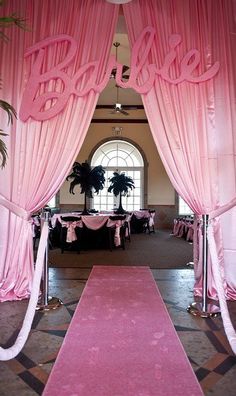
(127, 231)
(93, 211)
(151, 224)
(145, 224)
(66, 223)
(37, 231)
(128, 227)
(148, 223)
(36, 225)
(122, 231)
(117, 217)
(70, 218)
(95, 238)
(139, 225)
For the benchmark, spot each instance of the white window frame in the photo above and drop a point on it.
(52, 202)
(183, 208)
(126, 169)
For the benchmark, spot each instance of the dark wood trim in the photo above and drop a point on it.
(118, 121)
(126, 107)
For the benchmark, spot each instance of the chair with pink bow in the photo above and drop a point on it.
(70, 234)
(117, 231)
(151, 221)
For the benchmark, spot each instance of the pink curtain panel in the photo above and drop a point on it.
(41, 152)
(192, 123)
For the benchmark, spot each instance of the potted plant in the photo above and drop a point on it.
(3, 148)
(120, 185)
(5, 22)
(90, 179)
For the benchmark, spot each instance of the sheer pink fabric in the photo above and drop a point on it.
(192, 124)
(41, 153)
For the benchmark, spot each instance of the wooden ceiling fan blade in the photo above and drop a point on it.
(113, 73)
(122, 111)
(125, 107)
(125, 76)
(125, 69)
(130, 107)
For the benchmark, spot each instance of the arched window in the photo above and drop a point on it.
(119, 156)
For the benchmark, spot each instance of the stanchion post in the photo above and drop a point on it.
(204, 309)
(45, 219)
(204, 261)
(46, 302)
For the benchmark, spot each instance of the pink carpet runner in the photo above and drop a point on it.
(121, 342)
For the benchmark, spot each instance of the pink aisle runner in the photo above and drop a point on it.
(121, 341)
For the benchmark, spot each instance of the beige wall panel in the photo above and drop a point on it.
(159, 188)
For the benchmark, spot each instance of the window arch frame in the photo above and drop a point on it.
(143, 156)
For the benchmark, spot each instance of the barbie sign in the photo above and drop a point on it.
(44, 103)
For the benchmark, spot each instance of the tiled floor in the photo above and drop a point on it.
(203, 339)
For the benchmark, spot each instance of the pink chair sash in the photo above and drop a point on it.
(71, 225)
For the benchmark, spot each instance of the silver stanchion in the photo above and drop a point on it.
(46, 302)
(205, 308)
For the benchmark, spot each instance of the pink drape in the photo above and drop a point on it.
(41, 153)
(192, 124)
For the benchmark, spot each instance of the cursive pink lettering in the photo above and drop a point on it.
(188, 64)
(140, 69)
(60, 85)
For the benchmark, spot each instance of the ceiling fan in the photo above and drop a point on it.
(124, 68)
(118, 107)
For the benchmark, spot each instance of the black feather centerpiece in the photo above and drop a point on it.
(120, 185)
(91, 180)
